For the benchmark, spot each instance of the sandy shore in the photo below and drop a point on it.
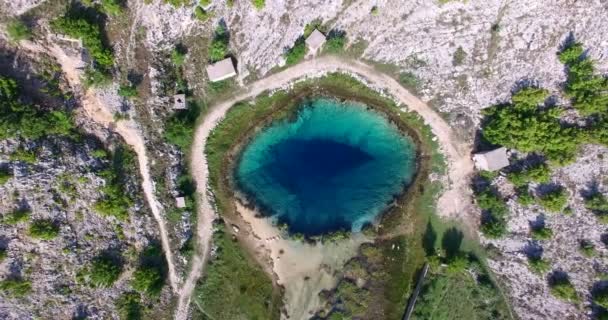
(302, 269)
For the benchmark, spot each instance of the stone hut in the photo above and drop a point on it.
(491, 160)
(179, 102)
(315, 41)
(180, 202)
(221, 70)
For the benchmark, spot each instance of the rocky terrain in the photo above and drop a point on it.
(460, 56)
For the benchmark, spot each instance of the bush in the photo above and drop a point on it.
(2, 254)
(522, 125)
(94, 78)
(178, 56)
(79, 26)
(296, 53)
(201, 14)
(115, 201)
(104, 271)
(542, 233)
(555, 200)
(587, 248)
(562, 288)
(600, 297)
(493, 223)
(410, 81)
(17, 31)
(335, 42)
(18, 120)
(538, 265)
(16, 288)
(129, 306)
(179, 129)
(538, 173)
(598, 204)
(16, 216)
(459, 56)
(5, 175)
(44, 229)
(112, 7)
(147, 279)
(259, 4)
(127, 91)
(218, 48)
(523, 196)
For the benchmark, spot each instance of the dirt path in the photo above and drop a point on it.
(452, 203)
(95, 109)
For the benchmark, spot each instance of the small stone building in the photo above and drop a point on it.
(221, 70)
(315, 40)
(491, 160)
(180, 202)
(179, 102)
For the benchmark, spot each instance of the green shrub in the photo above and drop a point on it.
(600, 297)
(538, 173)
(5, 175)
(555, 200)
(127, 91)
(179, 129)
(99, 153)
(115, 201)
(177, 3)
(44, 229)
(204, 3)
(598, 204)
(494, 223)
(79, 26)
(17, 31)
(410, 81)
(524, 126)
(201, 14)
(494, 227)
(562, 288)
(538, 265)
(146, 280)
(16, 216)
(218, 48)
(335, 42)
(523, 196)
(296, 53)
(129, 306)
(542, 233)
(104, 271)
(2, 254)
(112, 7)
(459, 56)
(18, 120)
(94, 78)
(374, 11)
(587, 248)
(259, 4)
(178, 56)
(16, 288)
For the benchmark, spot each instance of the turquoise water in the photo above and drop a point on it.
(335, 166)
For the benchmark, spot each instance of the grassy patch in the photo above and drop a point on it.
(16, 288)
(44, 229)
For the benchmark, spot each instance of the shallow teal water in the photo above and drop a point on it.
(336, 166)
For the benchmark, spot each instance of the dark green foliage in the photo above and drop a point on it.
(16, 288)
(5, 175)
(258, 4)
(523, 195)
(44, 229)
(459, 56)
(127, 91)
(586, 89)
(562, 288)
(178, 56)
(587, 248)
(524, 126)
(18, 120)
(542, 233)
(410, 81)
(2, 254)
(149, 278)
(218, 49)
(27, 156)
(81, 26)
(112, 7)
(537, 173)
(494, 210)
(179, 129)
(115, 200)
(96, 78)
(16, 216)
(538, 265)
(554, 200)
(129, 306)
(600, 297)
(177, 3)
(104, 271)
(336, 41)
(296, 53)
(201, 14)
(17, 30)
(598, 204)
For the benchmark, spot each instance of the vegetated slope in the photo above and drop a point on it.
(73, 223)
(546, 216)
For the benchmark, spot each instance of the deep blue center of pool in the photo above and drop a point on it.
(336, 166)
